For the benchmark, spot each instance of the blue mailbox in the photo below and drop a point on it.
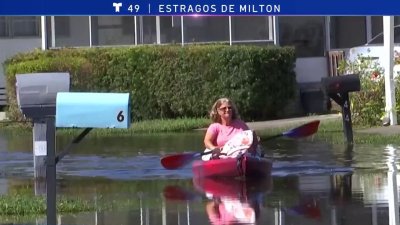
(92, 110)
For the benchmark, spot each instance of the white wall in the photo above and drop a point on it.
(311, 69)
(10, 47)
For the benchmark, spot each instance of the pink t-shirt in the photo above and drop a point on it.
(222, 133)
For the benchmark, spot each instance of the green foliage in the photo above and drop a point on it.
(172, 81)
(22, 204)
(367, 105)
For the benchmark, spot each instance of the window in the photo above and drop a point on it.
(69, 31)
(206, 28)
(128, 25)
(377, 30)
(113, 30)
(378, 39)
(62, 26)
(170, 29)
(376, 25)
(19, 26)
(347, 31)
(3, 27)
(146, 29)
(306, 33)
(250, 29)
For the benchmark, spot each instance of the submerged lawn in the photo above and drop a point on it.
(22, 204)
(331, 131)
(147, 126)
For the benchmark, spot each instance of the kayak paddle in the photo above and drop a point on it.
(176, 161)
(304, 130)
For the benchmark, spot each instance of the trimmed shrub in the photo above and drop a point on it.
(172, 81)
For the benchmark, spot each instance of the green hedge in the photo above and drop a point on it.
(171, 81)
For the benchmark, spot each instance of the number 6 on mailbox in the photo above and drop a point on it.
(96, 110)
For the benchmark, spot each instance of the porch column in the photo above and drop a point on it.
(388, 48)
(44, 32)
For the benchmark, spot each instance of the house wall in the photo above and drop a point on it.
(311, 69)
(10, 47)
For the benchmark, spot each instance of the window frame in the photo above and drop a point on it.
(10, 24)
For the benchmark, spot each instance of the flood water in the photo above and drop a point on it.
(311, 182)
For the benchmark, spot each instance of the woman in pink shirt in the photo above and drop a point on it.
(226, 124)
(228, 211)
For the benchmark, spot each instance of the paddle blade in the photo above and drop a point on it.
(304, 130)
(176, 161)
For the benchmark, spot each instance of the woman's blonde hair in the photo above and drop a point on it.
(215, 117)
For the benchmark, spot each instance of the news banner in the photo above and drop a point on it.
(206, 7)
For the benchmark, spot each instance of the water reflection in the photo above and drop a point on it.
(227, 201)
(233, 201)
(393, 194)
(279, 201)
(312, 199)
(313, 183)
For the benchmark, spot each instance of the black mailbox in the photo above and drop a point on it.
(338, 88)
(341, 84)
(37, 92)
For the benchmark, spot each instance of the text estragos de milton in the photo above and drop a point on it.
(225, 8)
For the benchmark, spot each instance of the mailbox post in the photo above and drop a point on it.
(338, 89)
(36, 98)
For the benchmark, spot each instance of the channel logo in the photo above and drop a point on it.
(117, 6)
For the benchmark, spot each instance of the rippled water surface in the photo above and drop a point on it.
(311, 182)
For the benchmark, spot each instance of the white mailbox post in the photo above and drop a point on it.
(36, 97)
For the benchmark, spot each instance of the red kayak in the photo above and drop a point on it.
(246, 166)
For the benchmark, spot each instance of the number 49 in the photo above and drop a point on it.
(133, 8)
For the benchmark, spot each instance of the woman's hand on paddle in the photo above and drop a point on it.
(216, 152)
